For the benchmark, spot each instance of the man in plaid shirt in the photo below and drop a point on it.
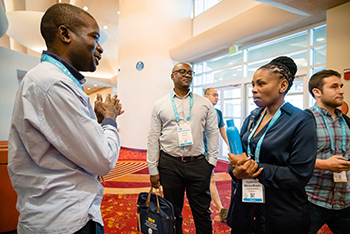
(329, 188)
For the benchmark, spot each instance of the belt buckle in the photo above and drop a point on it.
(182, 159)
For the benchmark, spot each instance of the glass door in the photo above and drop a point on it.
(230, 102)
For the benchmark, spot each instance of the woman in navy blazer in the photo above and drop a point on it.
(280, 141)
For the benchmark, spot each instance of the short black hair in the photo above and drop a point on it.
(285, 67)
(316, 80)
(61, 14)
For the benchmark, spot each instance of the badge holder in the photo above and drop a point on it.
(185, 134)
(340, 177)
(252, 191)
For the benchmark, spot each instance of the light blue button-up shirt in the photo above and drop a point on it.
(56, 152)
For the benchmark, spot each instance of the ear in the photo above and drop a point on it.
(317, 93)
(172, 76)
(64, 34)
(283, 86)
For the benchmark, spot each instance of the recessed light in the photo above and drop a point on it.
(118, 12)
(88, 88)
(85, 8)
(105, 27)
(95, 85)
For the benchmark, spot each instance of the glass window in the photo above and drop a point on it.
(238, 69)
(202, 5)
(198, 68)
(280, 46)
(232, 108)
(232, 93)
(251, 106)
(227, 74)
(198, 7)
(225, 61)
(211, 3)
(198, 90)
(319, 55)
(297, 87)
(300, 58)
(319, 35)
(317, 69)
(197, 80)
(296, 100)
(252, 67)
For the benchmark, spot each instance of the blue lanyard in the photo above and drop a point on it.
(48, 58)
(258, 146)
(343, 127)
(175, 109)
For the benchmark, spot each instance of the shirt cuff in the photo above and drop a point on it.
(109, 121)
(212, 160)
(153, 170)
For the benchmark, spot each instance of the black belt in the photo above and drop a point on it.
(185, 158)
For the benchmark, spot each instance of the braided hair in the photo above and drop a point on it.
(283, 66)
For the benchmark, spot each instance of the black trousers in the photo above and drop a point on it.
(194, 177)
(91, 228)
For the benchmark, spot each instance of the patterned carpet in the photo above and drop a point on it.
(130, 177)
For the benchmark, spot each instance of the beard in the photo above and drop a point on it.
(334, 103)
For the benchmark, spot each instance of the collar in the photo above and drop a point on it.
(77, 75)
(325, 112)
(189, 93)
(287, 108)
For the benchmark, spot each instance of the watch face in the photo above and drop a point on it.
(139, 66)
(344, 108)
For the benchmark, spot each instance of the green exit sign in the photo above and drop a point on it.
(233, 49)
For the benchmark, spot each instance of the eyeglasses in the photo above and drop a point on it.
(183, 72)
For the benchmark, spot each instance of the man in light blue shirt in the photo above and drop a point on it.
(213, 97)
(57, 149)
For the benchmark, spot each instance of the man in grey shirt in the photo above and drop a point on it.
(175, 148)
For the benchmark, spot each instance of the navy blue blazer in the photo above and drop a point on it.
(288, 155)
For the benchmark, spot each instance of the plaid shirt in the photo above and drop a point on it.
(321, 189)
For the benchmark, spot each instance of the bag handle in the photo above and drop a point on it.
(160, 191)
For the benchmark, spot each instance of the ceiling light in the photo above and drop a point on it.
(88, 88)
(105, 27)
(95, 85)
(118, 12)
(85, 8)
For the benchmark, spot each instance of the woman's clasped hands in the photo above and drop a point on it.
(244, 167)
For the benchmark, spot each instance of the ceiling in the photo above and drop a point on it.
(106, 14)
